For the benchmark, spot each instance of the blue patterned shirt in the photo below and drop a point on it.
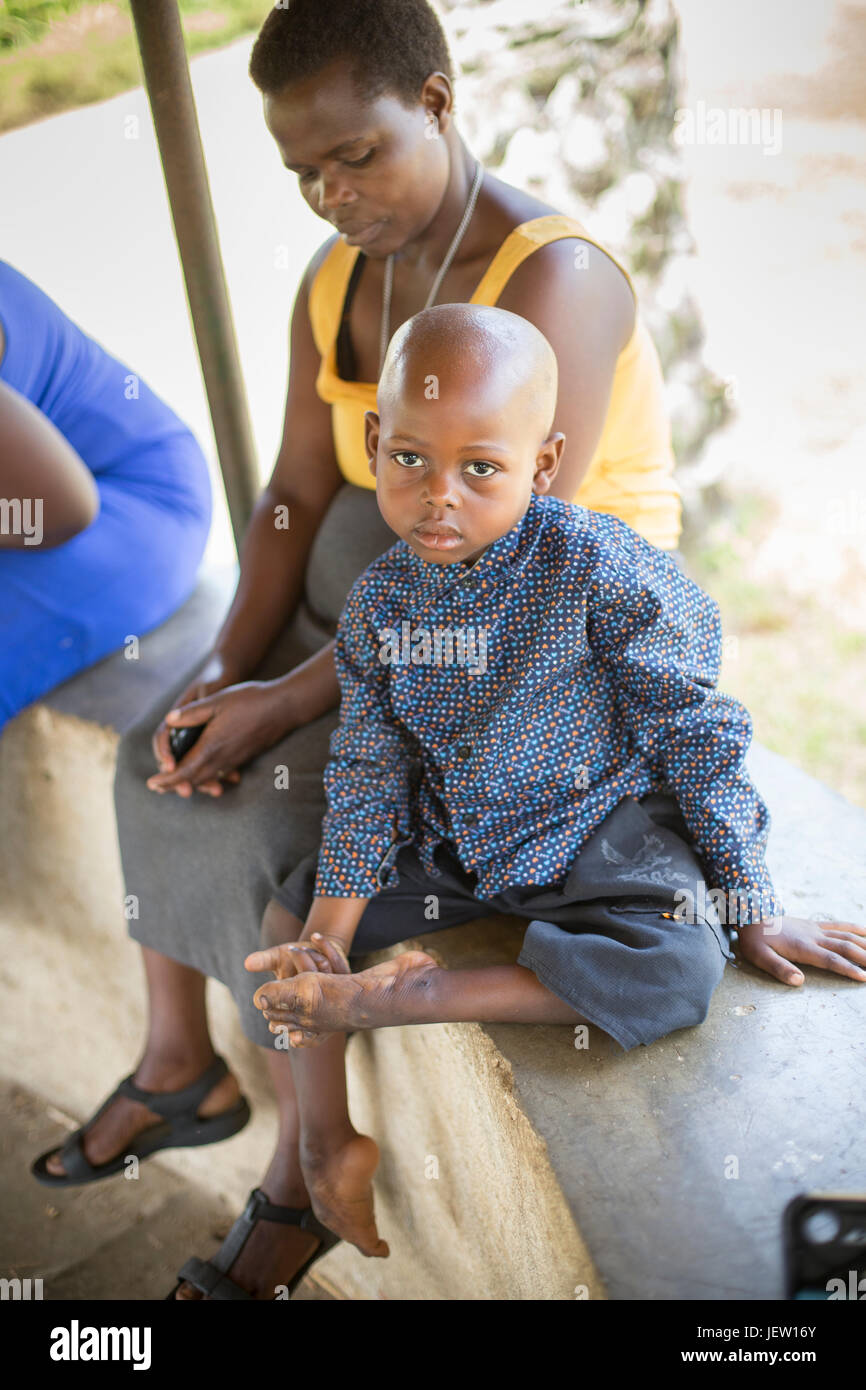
(507, 706)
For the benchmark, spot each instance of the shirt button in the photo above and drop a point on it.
(470, 819)
(465, 750)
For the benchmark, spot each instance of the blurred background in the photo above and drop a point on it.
(746, 239)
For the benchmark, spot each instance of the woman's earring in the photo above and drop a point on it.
(431, 126)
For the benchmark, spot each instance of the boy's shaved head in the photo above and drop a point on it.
(459, 344)
(462, 435)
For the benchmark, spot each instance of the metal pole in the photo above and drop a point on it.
(169, 90)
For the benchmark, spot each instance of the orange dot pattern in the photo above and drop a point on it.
(599, 682)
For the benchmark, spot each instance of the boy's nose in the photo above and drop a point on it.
(439, 491)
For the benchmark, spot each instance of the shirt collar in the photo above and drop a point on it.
(499, 559)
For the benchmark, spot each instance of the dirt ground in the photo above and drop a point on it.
(101, 1241)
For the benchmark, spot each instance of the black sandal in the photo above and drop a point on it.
(181, 1128)
(210, 1277)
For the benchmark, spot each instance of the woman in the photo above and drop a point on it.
(111, 490)
(361, 109)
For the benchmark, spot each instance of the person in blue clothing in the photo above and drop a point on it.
(578, 768)
(105, 499)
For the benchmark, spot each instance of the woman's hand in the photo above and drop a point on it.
(216, 674)
(240, 722)
(836, 946)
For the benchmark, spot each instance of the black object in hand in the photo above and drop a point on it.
(180, 741)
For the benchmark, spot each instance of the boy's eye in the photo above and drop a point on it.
(484, 469)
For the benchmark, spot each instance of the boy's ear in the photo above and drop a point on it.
(548, 461)
(371, 438)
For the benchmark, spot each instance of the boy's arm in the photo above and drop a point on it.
(369, 775)
(335, 918)
(660, 636)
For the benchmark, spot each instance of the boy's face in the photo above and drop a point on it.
(455, 473)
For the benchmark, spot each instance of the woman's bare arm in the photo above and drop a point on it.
(47, 494)
(587, 313)
(304, 480)
(243, 718)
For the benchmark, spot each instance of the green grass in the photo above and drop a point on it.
(28, 20)
(797, 670)
(59, 54)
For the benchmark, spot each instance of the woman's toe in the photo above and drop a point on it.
(187, 1293)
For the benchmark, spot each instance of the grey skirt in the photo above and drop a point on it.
(203, 870)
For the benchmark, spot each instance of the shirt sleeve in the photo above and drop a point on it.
(659, 635)
(368, 779)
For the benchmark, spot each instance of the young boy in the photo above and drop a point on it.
(529, 725)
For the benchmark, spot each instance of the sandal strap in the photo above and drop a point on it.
(75, 1161)
(211, 1276)
(312, 1224)
(173, 1103)
(204, 1276)
(72, 1154)
(258, 1208)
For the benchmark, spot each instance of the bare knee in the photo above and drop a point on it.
(279, 925)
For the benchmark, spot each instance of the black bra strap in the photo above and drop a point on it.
(346, 364)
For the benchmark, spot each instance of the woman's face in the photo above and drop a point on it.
(371, 169)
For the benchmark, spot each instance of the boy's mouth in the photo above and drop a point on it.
(435, 535)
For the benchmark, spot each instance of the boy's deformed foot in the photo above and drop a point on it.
(340, 1183)
(312, 1005)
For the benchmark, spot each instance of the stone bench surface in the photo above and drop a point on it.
(677, 1160)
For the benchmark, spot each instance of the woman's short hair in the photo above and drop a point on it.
(391, 45)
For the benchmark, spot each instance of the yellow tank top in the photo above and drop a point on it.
(631, 471)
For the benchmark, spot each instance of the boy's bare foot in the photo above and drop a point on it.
(392, 993)
(340, 1184)
(114, 1131)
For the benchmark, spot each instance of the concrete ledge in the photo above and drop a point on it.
(466, 1195)
(557, 1168)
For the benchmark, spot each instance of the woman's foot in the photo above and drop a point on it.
(339, 1187)
(125, 1119)
(274, 1252)
(340, 1184)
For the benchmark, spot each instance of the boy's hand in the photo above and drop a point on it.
(773, 945)
(320, 954)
